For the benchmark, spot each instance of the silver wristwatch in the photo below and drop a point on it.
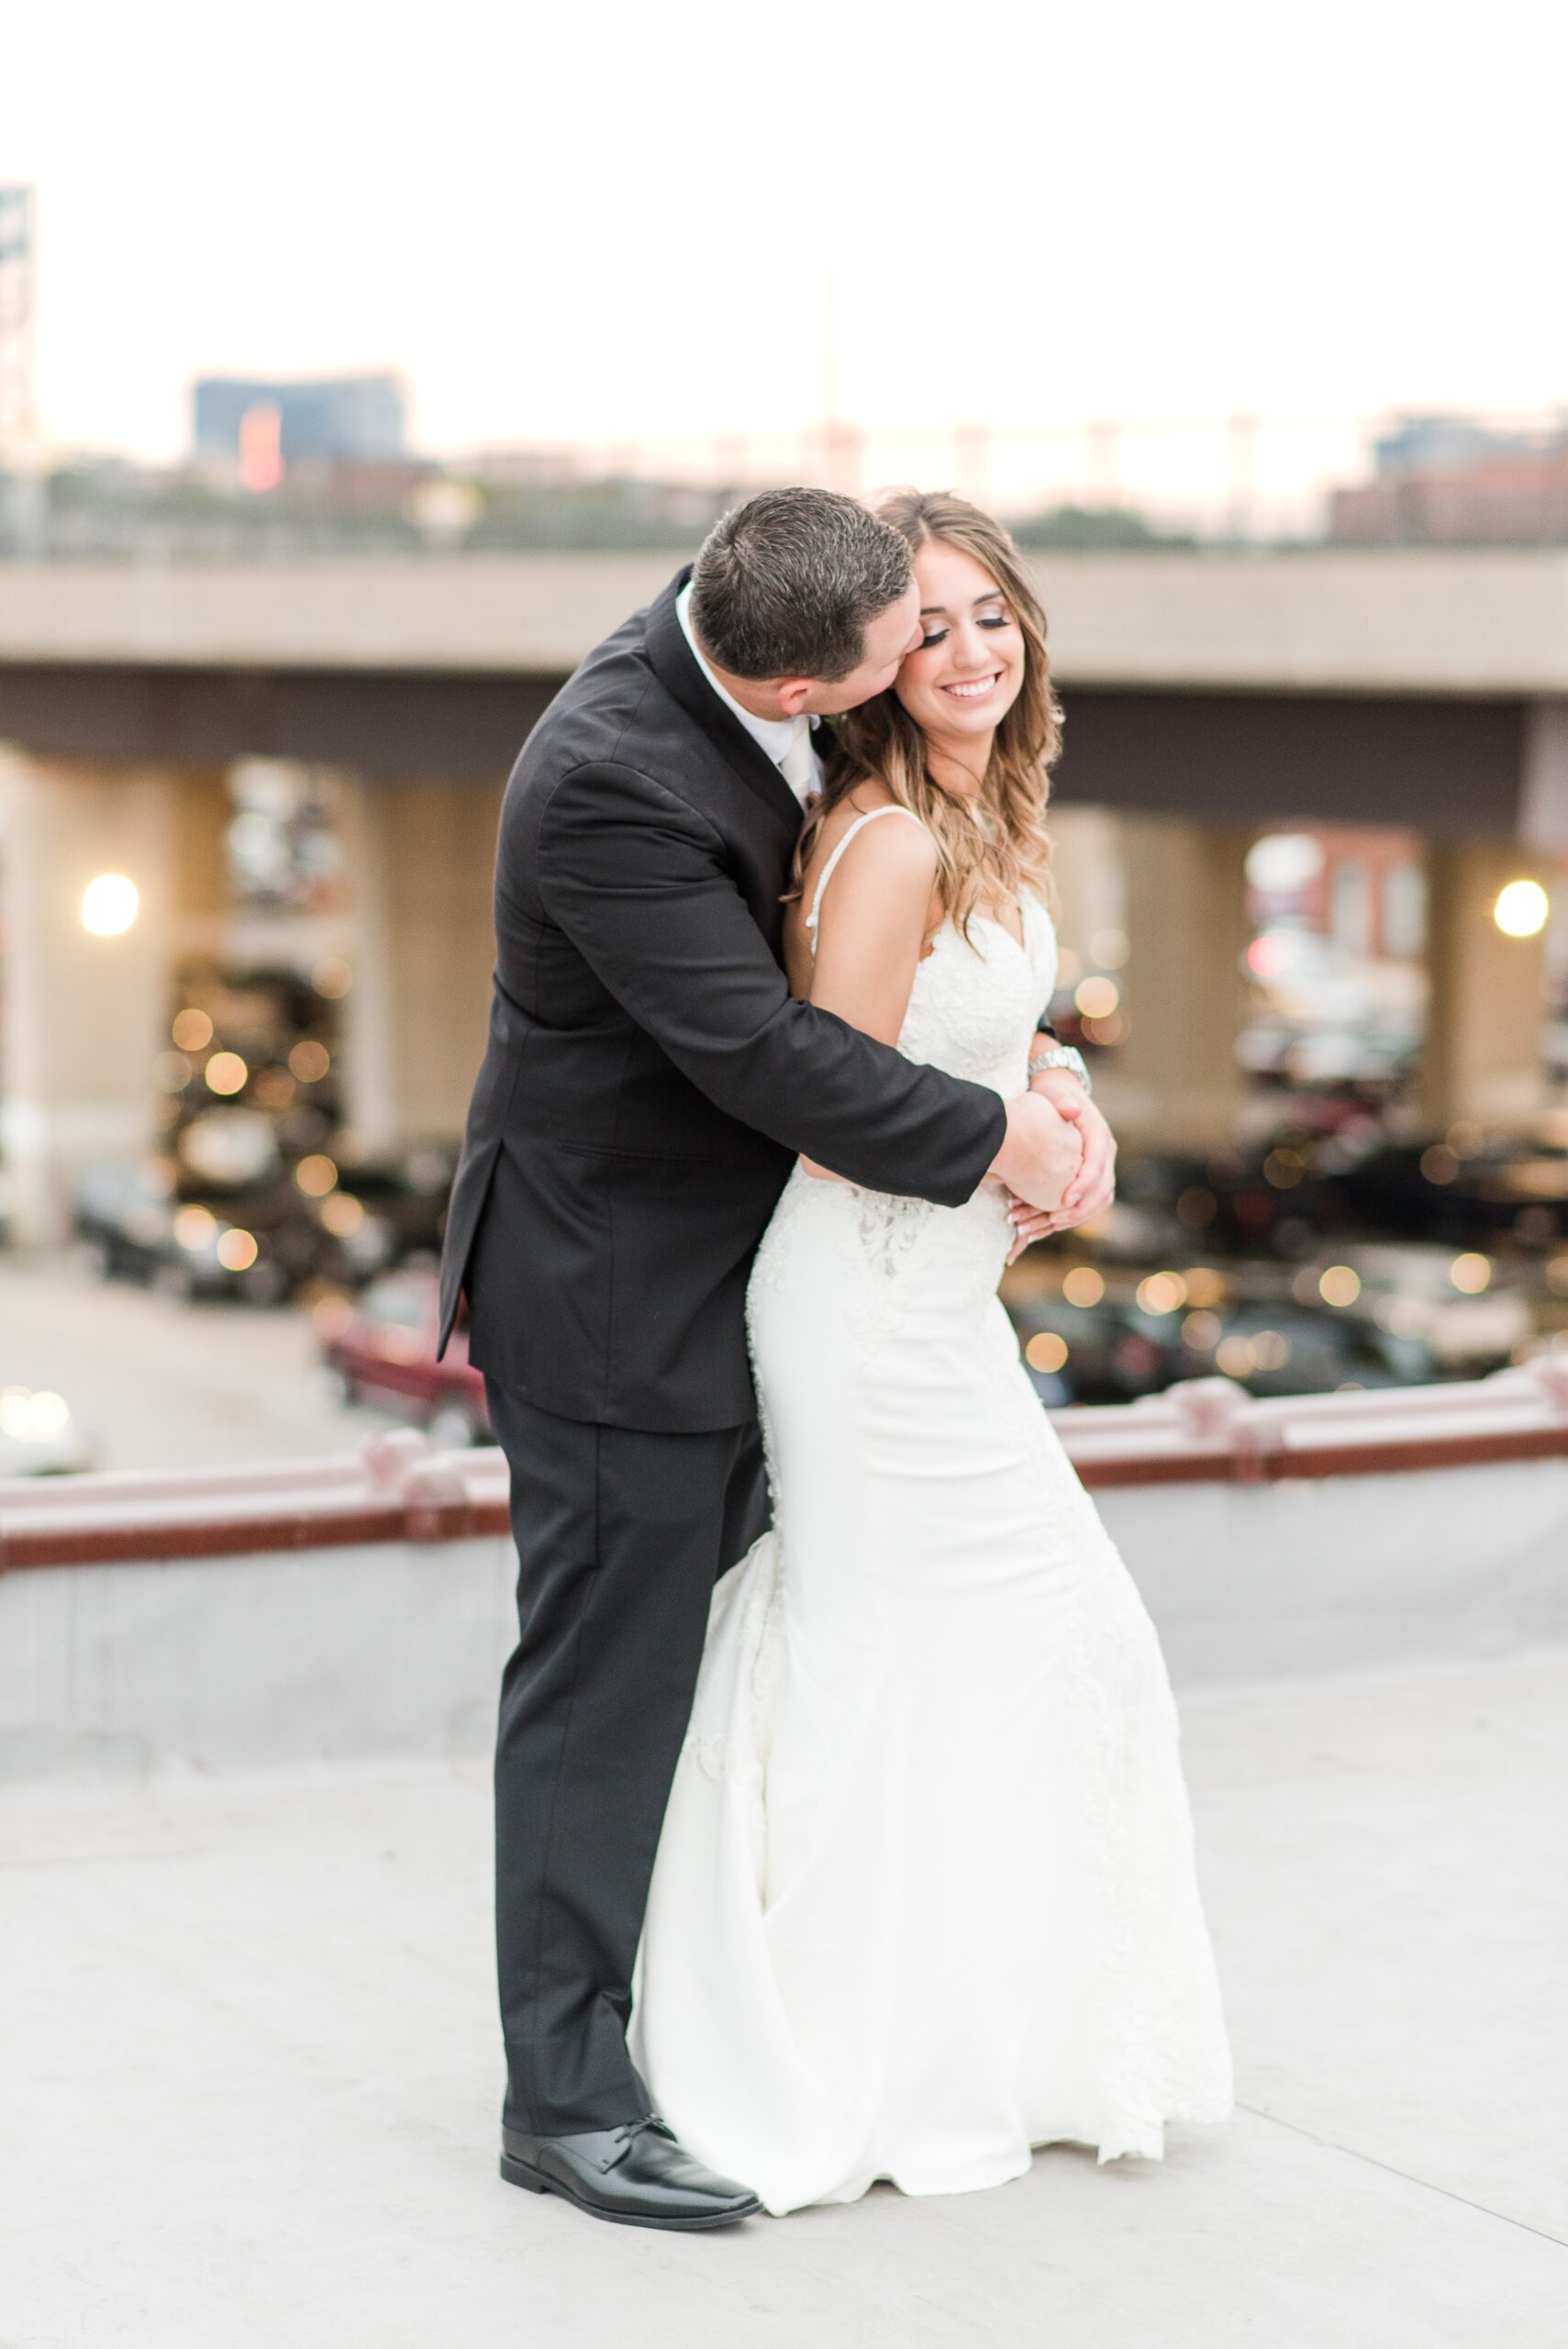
(1066, 1056)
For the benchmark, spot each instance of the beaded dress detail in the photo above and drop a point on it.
(925, 1892)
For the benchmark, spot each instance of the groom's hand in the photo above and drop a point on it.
(1040, 1154)
(1093, 1187)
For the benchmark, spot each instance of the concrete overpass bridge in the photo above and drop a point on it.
(1209, 697)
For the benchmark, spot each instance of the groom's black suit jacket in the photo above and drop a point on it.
(649, 1078)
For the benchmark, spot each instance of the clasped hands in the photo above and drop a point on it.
(1058, 1162)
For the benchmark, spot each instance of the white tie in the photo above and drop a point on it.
(797, 766)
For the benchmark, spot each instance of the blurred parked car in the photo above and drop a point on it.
(381, 1349)
(1468, 1317)
(1111, 1347)
(40, 1435)
(1474, 1195)
(261, 1240)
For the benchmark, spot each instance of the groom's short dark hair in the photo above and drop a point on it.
(785, 584)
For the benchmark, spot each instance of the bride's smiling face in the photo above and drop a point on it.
(965, 673)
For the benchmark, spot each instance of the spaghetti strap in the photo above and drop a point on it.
(892, 808)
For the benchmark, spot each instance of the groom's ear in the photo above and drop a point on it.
(794, 693)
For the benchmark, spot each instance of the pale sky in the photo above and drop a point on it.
(601, 222)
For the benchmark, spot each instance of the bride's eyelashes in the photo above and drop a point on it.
(990, 619)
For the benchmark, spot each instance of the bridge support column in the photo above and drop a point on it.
(1174, 1082)
(84, 1015)
(1484, 1059)
(421, 856)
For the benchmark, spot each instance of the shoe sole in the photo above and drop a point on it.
(534, 2181)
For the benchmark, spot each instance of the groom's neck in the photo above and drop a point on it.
(756, 695)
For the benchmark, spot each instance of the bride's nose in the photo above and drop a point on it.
(969, 650)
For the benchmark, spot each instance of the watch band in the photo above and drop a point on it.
(1066, 1056)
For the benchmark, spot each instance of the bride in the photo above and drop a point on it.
(925, 1896)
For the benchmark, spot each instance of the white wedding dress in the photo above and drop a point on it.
(925, 1896)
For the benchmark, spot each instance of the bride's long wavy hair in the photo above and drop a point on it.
(986, 851)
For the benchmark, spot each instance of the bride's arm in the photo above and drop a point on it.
(876, 916)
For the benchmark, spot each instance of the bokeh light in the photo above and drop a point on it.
(1096, 998)
(1521, 909)
(192, 1030)
(1161, 1292)
(1046, 1351)
(195, 1226)
(110, 905)
(332, 976)
(225, 1073)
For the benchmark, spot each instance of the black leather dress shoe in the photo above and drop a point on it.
(637, 2175)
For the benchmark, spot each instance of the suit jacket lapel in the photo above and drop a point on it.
(671, 658)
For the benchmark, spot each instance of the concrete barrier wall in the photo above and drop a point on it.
(388, 1649)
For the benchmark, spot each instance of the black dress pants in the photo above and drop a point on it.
(621, 1535)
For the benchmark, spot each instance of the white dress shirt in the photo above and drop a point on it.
(775, 735)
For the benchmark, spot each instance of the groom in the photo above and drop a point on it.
(648, 1083)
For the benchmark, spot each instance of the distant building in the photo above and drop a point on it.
(1455, 481)
(253, 423)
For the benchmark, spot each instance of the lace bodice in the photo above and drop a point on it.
(974, 1002)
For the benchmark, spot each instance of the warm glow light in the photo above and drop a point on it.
(1284, 1169)
(110, 905)
(1471, 1273)
(24, 1416)
(192, 1030)
(1084, 1285)
(1234, 1357)
(1204, 1285)
(1110, 949)
(1521, 909)
(1096, 998)
(310, 1061)
(1201, 1330)
(1340, 1284)
(1270, 1350)
(1440, 1164)
(1046, 1351)
(332, 976)
(171, 1072)
(1267, 957)
(237, 1251)
(315, 1177)
(342, 1214)
(225, 1073)
(1108, 1031)
(194, 1227)
(1161, 1292)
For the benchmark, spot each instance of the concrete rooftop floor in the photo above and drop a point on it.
(250, 2078)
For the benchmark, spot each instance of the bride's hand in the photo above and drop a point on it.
(1093, 1187)
(819, 1174)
